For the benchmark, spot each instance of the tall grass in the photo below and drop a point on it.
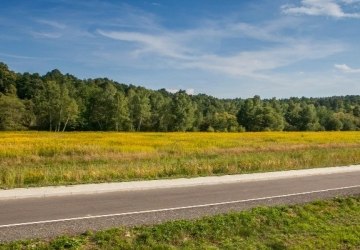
(42, 158)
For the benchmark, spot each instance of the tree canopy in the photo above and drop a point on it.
(62, 102)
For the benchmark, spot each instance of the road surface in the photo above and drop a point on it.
(48, 217)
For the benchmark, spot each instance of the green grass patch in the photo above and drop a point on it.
(329, 224)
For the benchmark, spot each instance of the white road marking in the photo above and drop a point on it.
(176, 208)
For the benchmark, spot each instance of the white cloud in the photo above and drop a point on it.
(53, 24)
(225, 57)
(189, 91)
(159, 44)
(187, 44)
(188, 49)
(350, 1)
(346, 69)
(53, 30)
(255, 63)
(172, 90)
(51, 35)
(16, 56)
(320, 8)
(269, 32)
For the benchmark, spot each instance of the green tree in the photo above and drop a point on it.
(54, 108)
(224, 122)
(28, 84)
(333, 123)
(246, 114)
(308, 118)
(140, 109)
(257, 115)
(356, 111)
(12, 113)
(7, 80)
(182, 112)
(67, 111)
(160, 117)
(121, 114)
(270, 120)
(47, 102)
(349, 122)
(102, 107)
(293, 117)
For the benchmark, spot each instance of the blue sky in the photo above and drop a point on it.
(226, 48)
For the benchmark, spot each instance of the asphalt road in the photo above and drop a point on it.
(51, 216)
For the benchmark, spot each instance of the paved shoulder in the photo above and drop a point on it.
(20, 193)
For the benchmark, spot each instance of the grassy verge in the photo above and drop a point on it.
(41, 159)
(330, 224)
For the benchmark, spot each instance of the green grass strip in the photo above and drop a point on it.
(329, 224)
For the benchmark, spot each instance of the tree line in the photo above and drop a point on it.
(62, 102)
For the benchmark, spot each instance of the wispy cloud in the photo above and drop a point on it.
(197, 41)
(53, 24)
(256, 63)
(187, 49)
(31, 58)
(16, 56)
(137, 43)
(51, 35)
(49, 29)
(351, 1)
(346, 69)
(330, 8)
(160, 44)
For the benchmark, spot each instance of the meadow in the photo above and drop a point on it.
(44, 158)
(329, 224)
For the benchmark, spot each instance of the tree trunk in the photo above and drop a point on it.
(60, 118)
(67, 120)
(50, 121)
(139, 125)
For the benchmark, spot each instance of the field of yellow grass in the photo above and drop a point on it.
(43, 158)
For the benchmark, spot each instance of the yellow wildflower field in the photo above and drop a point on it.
(44, 158)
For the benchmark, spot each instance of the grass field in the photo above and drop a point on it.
(331, 224)
(43, 158)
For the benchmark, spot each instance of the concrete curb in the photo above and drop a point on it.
(20, 193)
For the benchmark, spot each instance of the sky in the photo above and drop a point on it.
(226, 49)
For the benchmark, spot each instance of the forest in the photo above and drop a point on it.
(62, 102)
